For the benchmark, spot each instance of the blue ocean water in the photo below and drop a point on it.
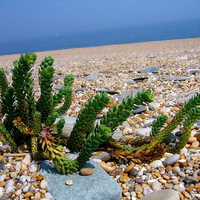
(121, 35)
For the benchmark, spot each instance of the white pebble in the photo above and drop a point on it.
(26, 188)
(2, 177)
(9, 183)
(176, 169)
(18, 167)
(18, 192)
(43, 184)
(149, 122)
(48, 195)
(142, 132)
(28, 178)
(1, 192)
(27, 159)
(156, 163)
(33, 168)
(9, 189)
(141, 171)
(126, 130)
(22, 179)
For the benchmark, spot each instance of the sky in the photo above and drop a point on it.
(22, 19)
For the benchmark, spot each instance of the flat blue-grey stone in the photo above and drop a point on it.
(131, 93)
(176, 78)
(98, 186)
(140, 109)
(111, 92)
(186, 98)
(92, 77)
(140, 79)
(58, 87)
(150, 70)
(81, 89)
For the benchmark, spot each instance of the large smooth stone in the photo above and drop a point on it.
(167, 194)
(98, 186)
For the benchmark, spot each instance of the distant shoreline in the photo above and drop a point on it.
(117, 48)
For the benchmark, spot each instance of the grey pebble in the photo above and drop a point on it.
(191, 179)
(133, 172)
(81, 89)
(139, 180)
(176, 169)
(111, 92)
(156, 186)
(140, 109)
(170, 138)
(172, 160)
(58, 87)
(147, 190)
(181, 174)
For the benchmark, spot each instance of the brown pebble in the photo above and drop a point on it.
(188, 189)
(181, 156)
(184, 192)
(131, 122)
(34, 174)
(1, 157)
(140, 195)
(7, 178)
(116, 172)
(69, 182)
(40, 177)
(176, 164)
(2, 183)
(166, 177)
(197, 186)
(124, 178)
(197, 135)
(168, 168)
(86, 171)
(129, 167)
(195, 144)
(106, 167)
(184, 164)
(192, 139)
(112, 103)
(28, 194)
(19, 158)
(157, 174)
(169, 120)
(181, 196)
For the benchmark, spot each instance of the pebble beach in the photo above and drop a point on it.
(170, 69)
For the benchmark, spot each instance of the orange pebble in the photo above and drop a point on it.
(40, 177)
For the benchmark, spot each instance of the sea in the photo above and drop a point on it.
(110, 36)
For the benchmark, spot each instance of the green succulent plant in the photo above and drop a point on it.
(25, 120)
